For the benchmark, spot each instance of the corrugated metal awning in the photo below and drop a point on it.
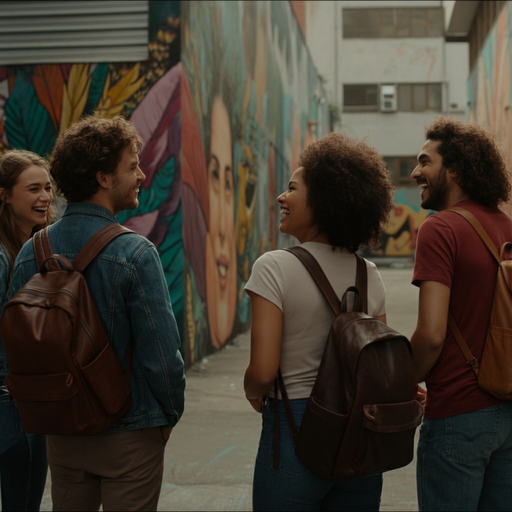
(44, 32)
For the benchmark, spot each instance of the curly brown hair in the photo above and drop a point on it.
(349, 191)
(92, 144)
(473, 154)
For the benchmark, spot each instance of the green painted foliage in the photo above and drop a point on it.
(27, 122)
(153, 198)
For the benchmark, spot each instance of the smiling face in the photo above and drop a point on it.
(126, 181)
(297, 218)
(30, 197)
(220, 246)
(432, 177)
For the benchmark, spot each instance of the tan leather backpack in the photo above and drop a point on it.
(494, 371)
(64, 374)
(361, 416)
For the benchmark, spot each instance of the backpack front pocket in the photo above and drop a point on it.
(320, 436)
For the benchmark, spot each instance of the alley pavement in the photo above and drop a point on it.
(209, 460)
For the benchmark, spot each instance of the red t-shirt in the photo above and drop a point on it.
(449, 251)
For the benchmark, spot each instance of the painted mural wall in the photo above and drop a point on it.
(251, 101)
(489, 84)
(225, 103)
(37, 103)
(398, 237)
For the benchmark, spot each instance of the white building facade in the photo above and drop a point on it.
(389, 71)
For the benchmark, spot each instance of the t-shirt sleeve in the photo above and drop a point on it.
(435, 253)
(377, 291)
(267, 280)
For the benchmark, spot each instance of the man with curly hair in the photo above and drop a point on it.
(465, 447)
(95, 164)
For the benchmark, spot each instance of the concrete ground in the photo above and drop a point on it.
(209, 459)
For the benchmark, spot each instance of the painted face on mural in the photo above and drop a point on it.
(220, 247)
(432, 177)
(296, 215)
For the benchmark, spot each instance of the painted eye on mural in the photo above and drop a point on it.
(250, 188)
(229, 181)
(213, 172)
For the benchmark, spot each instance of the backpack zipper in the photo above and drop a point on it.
(89, 335)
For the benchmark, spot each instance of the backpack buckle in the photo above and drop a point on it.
(475, 365)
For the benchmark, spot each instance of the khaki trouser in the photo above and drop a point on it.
(121, 471)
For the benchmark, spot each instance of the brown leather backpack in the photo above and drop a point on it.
(494, 371)
(361, 416)
(65, 376)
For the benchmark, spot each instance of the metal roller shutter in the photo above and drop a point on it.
(45, 32)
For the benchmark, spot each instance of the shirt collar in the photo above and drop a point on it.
(89, 209)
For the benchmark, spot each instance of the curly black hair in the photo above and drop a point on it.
(348, 190)
(473, 154)
(90, 145)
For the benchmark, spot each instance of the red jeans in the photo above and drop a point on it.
(121, 471)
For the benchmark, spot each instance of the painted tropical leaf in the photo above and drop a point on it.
(75, 95)
(158, 123)
(27, 122)
(171, 256)
(99, 76)
(113, 98)
(153, 198)
(49, 85)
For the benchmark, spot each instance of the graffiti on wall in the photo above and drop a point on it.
(489, 84)
(251, 101)
(399, 234)
(37, 103)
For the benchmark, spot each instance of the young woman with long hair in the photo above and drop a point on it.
(335, 203)
(25, 198)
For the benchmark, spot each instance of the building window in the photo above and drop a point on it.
(409, 98)
(361, 97)
(397, 22)
(419, 97)
(401, 168)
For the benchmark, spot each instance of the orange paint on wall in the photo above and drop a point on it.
(299, 8)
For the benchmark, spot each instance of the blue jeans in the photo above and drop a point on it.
(23, 464)
(465, 461)
(293, 486)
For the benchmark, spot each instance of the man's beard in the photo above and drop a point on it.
(122, 200)
(437, 192)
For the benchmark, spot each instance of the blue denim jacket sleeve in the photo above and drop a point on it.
(4, 284)
(4, 279)
(155, 334)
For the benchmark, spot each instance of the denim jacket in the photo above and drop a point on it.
(5, 269)
(127, 284)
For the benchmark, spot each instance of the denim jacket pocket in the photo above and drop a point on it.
(472, 435)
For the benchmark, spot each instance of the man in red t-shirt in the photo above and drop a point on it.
(465, 446)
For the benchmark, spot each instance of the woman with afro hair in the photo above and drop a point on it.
(335, 203)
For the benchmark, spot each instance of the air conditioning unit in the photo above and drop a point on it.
(388, 98)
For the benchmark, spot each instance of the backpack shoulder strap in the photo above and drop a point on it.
(97, 243)
(470, 358)
(43, 250)
(479, 229)
(318, 275)
(361, 285)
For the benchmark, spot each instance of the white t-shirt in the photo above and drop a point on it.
(281, 278)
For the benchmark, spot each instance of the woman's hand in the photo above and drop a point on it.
(257, 403)
(421, 396)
